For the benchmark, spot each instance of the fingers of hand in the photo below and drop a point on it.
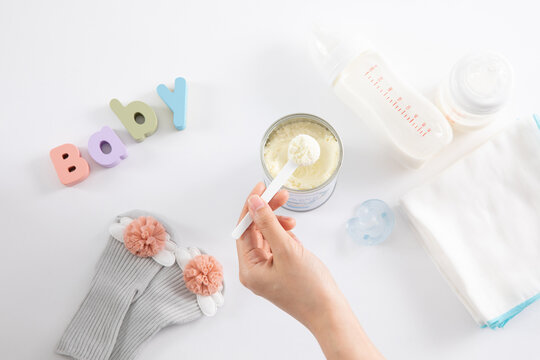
(276, 202)
(249, 256)
(267, 223)
(258, 190)
(288, 223)
(253, 270)
(253, 238)
(279, 199)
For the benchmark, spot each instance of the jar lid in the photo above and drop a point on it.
(481, 83)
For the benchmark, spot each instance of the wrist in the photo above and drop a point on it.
(339, 333)
(334, 311)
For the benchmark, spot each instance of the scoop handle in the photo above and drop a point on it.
(267, 195)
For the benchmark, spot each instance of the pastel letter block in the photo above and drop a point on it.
(70, 167)
(118, 149)
(176, 101)
(128, 114)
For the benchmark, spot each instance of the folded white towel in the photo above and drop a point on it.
(480, 222)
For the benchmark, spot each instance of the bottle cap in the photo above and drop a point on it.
(481, 83)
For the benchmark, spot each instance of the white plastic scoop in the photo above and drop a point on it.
(303, 151)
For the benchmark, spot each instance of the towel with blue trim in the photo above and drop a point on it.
(480, 222)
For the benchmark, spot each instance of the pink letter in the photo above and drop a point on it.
(70, 167)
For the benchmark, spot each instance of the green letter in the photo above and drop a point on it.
(139, 119)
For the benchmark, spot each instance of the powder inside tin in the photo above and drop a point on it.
(305, 177)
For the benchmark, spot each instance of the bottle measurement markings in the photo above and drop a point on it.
(396, 102)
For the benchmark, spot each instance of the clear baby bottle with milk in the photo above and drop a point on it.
(413, 128)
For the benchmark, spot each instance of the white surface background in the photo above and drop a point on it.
(247, 64)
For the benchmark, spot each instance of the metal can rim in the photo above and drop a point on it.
(297, 117)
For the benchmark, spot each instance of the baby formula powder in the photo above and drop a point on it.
(309, 186)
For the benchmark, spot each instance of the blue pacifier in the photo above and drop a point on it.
(372, 223)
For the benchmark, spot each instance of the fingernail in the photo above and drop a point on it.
(255, 203)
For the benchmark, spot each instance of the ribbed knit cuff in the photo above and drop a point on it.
(166, 301)
(120, 277)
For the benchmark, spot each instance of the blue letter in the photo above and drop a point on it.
(176, 101)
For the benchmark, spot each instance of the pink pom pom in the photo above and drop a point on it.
(203, 275)
(145, 236)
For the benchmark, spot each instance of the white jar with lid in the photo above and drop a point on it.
(477, 89)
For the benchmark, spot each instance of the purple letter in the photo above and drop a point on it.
(106, 148)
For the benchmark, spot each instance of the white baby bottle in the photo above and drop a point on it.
(477, 90)
(413, 128)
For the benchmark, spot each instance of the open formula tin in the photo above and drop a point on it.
(309, 199)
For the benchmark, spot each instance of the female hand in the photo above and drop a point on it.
(276, 266)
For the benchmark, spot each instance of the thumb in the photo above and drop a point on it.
(267, 223)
